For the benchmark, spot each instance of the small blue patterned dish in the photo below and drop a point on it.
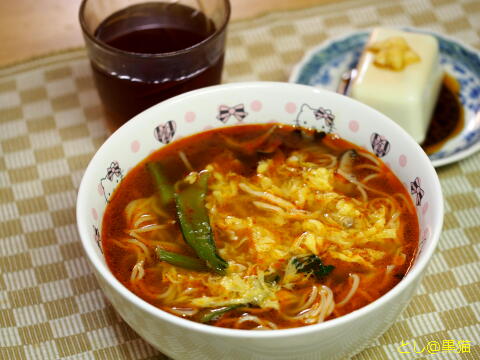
(325, 65)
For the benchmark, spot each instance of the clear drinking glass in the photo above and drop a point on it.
(144, 52)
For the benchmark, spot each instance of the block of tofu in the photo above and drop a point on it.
(406, 88)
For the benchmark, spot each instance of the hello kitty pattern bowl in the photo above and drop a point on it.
(251, 103)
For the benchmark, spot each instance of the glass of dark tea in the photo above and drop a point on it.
(142, 52)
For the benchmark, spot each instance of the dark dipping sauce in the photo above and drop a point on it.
(447, 119)
(151, 28)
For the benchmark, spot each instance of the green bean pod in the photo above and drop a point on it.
(186, 262)
(195, 224)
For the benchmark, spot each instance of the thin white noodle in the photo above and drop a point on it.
(236, 267)
(363, 193)
(368, 166)
(241, 242)
(159, 211)
(301, 214)
(305, 307)
(267, 325)
(370, 177)
(232, 235)
(174, 278)
(129, 209)
(406, 201)
(184, 158)
(356, 182)
(331, 304)
(252, 318)
(136, 249)
(139, 220)
(150, 227)
(120, 243)
(333, 160)
(315, 314)
(135, 235)
(311, 298)
(327, 299)
(325, 160)
(267, 196)
(298, 240)
(266, 206)
(134, 273)
(138, 271)
(353, 289)
(404, 257)
(183, 312)
(271, 326)
(346, 175)
(369, 157)
(322, 308)
(136, 210)
(394, 219)
(140, 245)
(168, 294)
(389, 269)
(395, 216)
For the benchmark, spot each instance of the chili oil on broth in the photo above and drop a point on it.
(275, 194)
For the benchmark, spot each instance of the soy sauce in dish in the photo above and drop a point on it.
(447, 118)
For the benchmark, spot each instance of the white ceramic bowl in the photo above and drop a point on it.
(262, 102)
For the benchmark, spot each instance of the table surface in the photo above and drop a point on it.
(27, 29)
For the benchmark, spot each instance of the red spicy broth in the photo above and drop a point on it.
(312, 227)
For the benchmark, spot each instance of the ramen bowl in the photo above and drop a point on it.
(257, 103)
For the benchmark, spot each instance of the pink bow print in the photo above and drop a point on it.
(113, 169)
(416, 190)
(378, 140)
(380, 145)
(237, 111)
(325, 114)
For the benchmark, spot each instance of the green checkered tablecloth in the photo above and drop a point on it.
(51, 124)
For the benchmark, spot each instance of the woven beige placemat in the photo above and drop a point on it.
(50, 126)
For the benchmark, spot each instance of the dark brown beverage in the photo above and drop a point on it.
(152, 30)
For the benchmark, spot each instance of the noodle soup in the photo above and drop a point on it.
(260, 227)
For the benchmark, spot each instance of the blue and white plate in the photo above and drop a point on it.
(324, 66)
